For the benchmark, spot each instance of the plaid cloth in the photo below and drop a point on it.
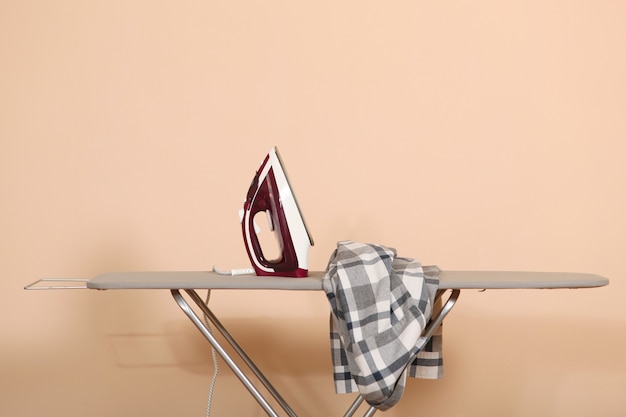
(380, 305)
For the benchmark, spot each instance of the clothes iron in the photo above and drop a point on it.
(271, 192)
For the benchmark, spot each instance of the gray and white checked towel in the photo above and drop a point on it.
(380, 305)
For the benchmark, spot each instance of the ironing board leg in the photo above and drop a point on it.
(438, 317)
(370, 412)
(242, 354)
(182, 303)
(433, 325)
(355, 405)
(430, 329)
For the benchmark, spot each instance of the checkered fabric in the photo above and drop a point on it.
(380, 304)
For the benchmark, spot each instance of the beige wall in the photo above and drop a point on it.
(472, 135)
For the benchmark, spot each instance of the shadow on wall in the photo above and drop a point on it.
(541, 365)
(287, 347)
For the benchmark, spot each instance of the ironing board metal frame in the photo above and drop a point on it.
(190, 282)
(219, 348)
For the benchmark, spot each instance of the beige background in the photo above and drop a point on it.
(468, 134)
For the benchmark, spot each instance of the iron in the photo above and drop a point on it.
(271, 192)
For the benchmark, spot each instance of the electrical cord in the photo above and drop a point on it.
(242, 271)
(215, 363)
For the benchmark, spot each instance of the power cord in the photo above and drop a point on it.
(242, 271)
(215, 363)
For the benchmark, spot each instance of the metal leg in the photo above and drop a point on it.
(355, 405)
(437, 319)
(370, 412)
(242, 354)
(432, 326)
(182, 303)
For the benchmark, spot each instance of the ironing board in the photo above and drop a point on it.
(450, 282)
